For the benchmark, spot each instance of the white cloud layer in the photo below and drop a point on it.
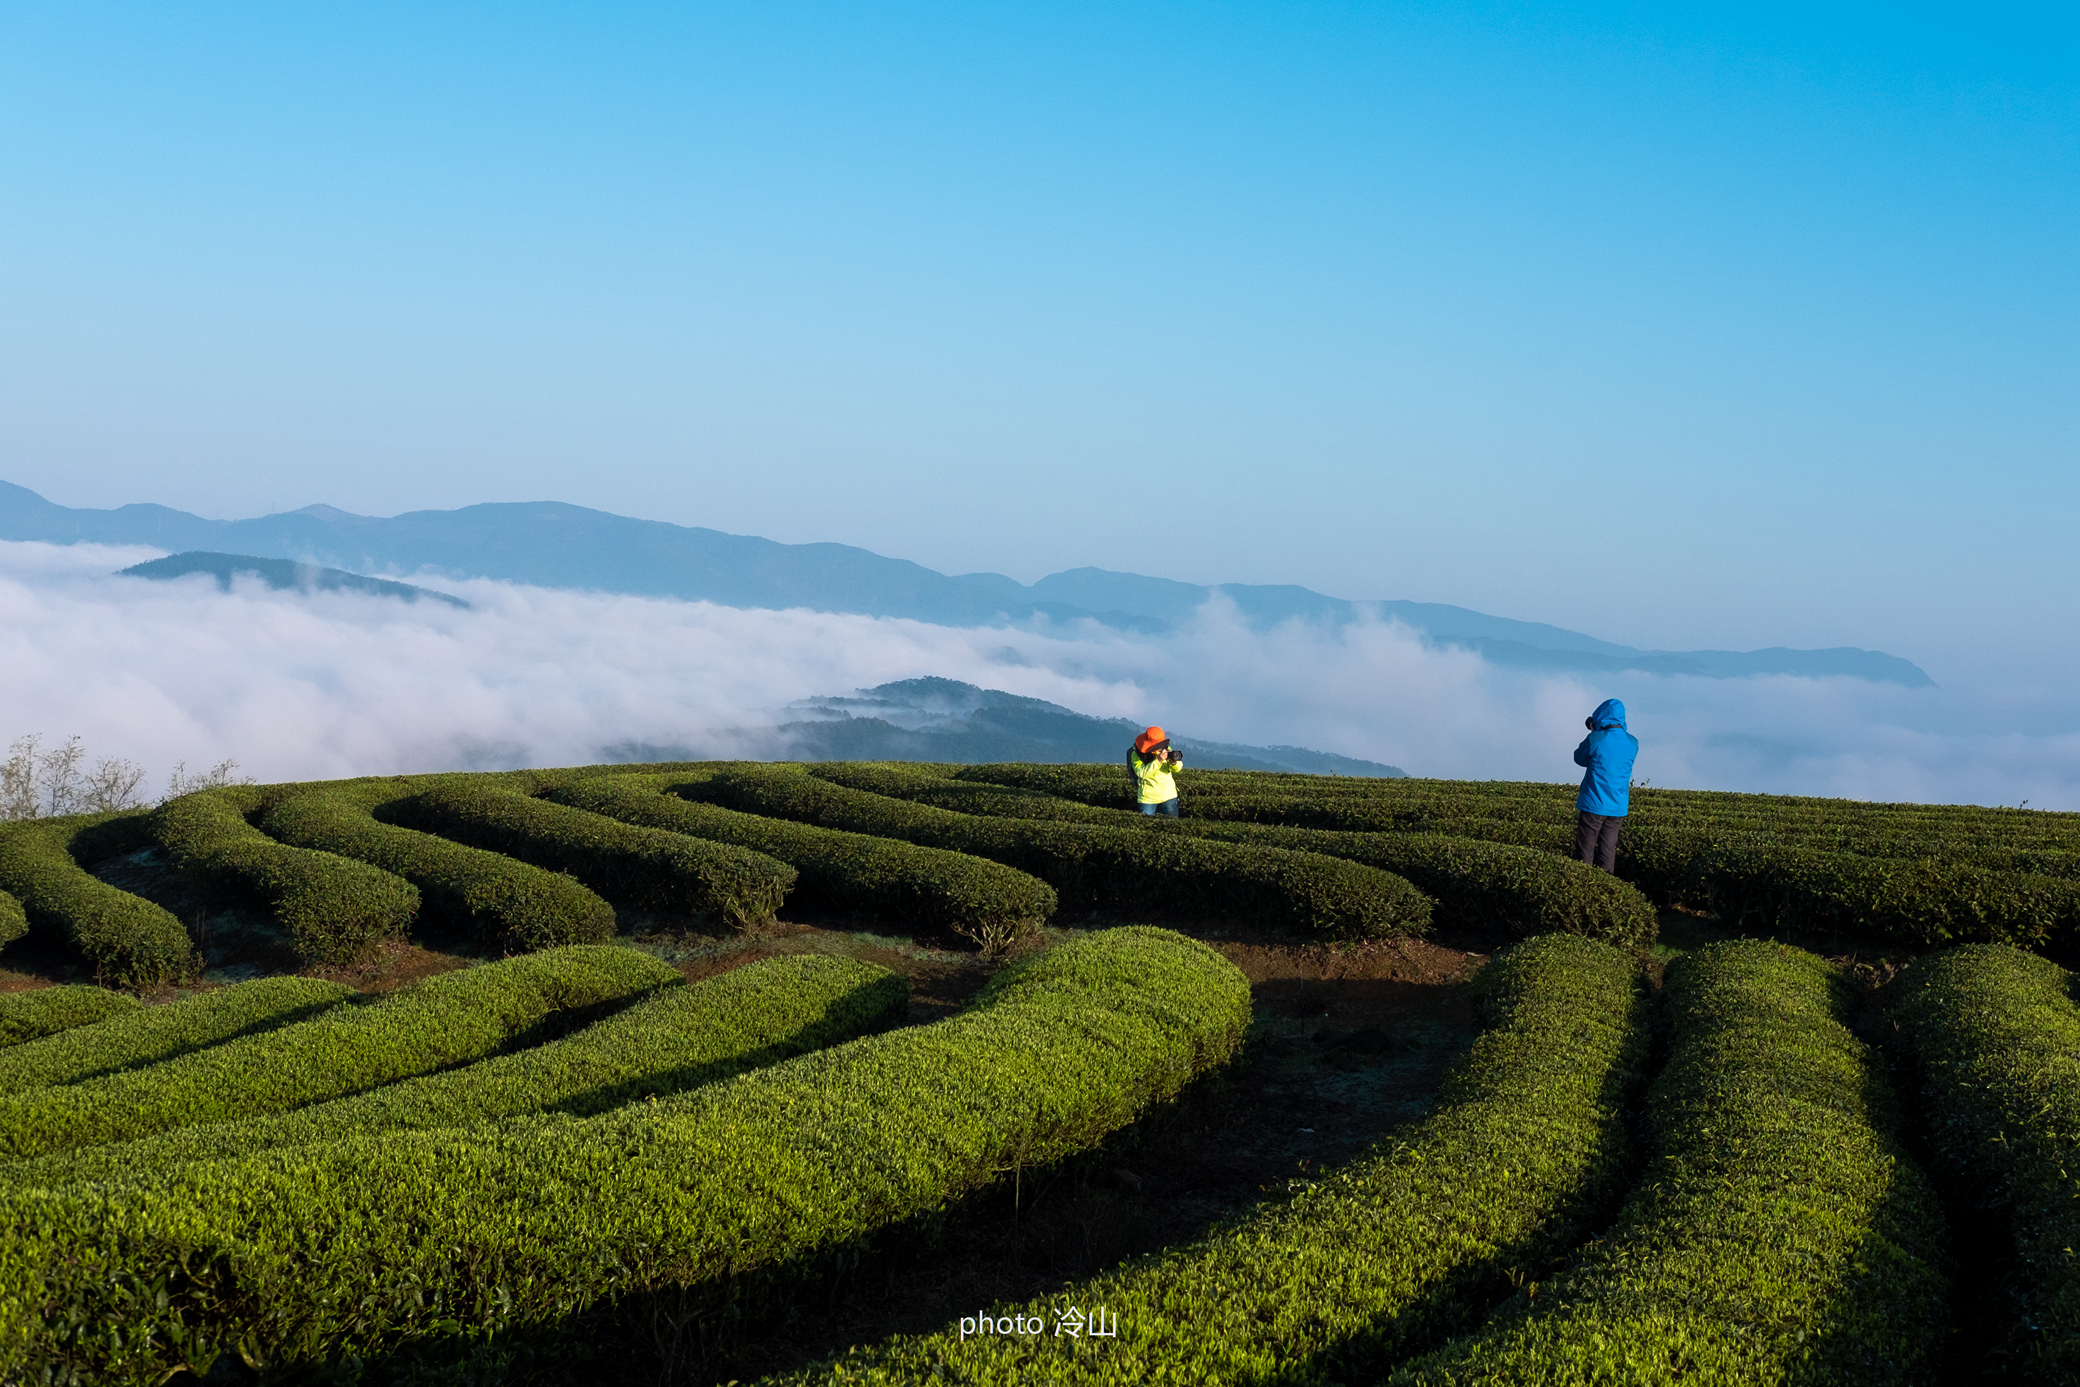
(333, 684)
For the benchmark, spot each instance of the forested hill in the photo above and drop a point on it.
(944, 720)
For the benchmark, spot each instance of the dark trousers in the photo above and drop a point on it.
(1596, 838)
(1168, 808)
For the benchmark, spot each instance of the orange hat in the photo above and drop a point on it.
(1150, 738)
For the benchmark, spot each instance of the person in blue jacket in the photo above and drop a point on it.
(1608, 751)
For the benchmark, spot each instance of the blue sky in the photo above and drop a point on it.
(1687, 329)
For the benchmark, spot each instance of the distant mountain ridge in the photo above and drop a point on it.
(549, 544)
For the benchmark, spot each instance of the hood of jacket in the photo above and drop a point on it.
(1609, 713)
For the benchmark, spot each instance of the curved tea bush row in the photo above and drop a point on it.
(127, 940)
(309, 1254)
(332, 906)
(444, 1020)
(642, 866)
(1778, 1235)
(27, 1016)
(508, 902)
(1097, 867)
(1480, 885)
(14, 921)
(1920, 902)
(1492, 886)
(156, 1033)
(675, 1039)
(1420, 805)
(1968, 894)
(925, 785)
(1407, 1244)
(1997, 1039)
(843, 872)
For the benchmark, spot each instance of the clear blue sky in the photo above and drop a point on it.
(1686, 328)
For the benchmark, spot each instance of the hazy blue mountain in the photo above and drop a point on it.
(550, 544)
(281, 574)
(936, 719)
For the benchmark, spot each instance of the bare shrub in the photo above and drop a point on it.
(215, 778)
(35, 783)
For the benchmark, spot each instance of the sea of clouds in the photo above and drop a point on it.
(309, 685)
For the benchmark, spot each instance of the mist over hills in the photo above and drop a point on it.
(550, 544)
(934, 719)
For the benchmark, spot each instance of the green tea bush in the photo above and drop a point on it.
(1855, 875)
(449, 1019)
(843, 873)
(507, 902)
(923, 785)
(1920, 902)
(14, 921)
(1479, 885)
(310, 1255)
(1779, 1233)
(128, 941)
(1409, 1243)
(642, 866)
(334, 908)
(1102, 868)
(27, 1016)
(156, 1033)
(1495, 887)
(1996, 1038)
(675, 1039)
(1513, 812)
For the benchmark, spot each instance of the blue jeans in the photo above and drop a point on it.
(1168, 808)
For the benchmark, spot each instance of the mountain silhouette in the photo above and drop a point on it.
(549, 544)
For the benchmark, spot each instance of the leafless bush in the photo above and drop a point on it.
(18, 797)
(36, 784)
(215, 778)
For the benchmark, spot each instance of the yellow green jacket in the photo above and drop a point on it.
(1154, 780)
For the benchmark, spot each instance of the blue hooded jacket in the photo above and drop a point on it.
(1608, 751)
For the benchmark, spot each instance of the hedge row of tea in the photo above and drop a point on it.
(1099, 867)
(127, 941)
(455, 1234)
(27, 1016)
(1508, 890)
(497, 898)
(450, 1019)
(537, 859)
(1996, 1037)
(108, 1044)
(333, 907)
(1779, 1235)
(1913, 874)
(840, 873)
(673, 1039)
(1778, 1232)
(1405, 1245)
(644, 866)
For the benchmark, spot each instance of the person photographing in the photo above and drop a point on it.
(1608, 752)
(1153, 765)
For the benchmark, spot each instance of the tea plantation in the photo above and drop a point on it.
(1792, 1097)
